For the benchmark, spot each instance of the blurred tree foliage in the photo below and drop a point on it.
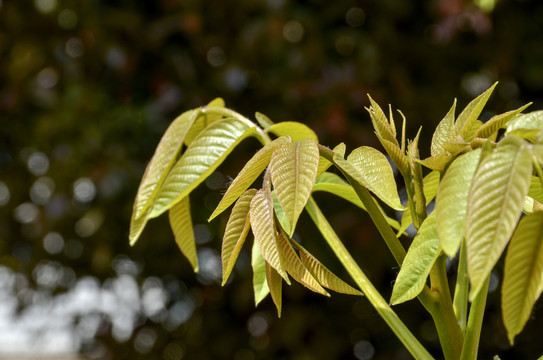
(88, 87)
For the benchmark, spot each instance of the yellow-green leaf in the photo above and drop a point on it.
(396, 154)
(260, 285)
(297, 131)
(418, 262)
(200, 159)
(443, 132)
(523, 273)
(203, 121)
(324, 164)
(235, 233)
(275, 285)
(380, 123)
(293, 168)
(250, 172)
(376, 175)
(414, 184)
(532, 120)
(181, 224)
(324, 276)
(452, 201)
(263, 226)
(471, 112)
(495, 203)
(438, 162)
(497, 122)
(536, 189)
(263, 120)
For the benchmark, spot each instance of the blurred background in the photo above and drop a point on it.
(87, 87)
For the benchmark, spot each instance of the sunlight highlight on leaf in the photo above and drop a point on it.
(443, 132)
(297, 131)
(181, 224)
(203, 121)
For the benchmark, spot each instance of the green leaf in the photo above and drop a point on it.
(532, 120)
(380, 123)
(536, 189)
(324, 276)
(260, 285)
(438, 162)
(280, 214)
(495, 203)
(376, 175)
(324, 164)
(293, 168)
(418, 262)
(497, 122)
(523, 273)
(297, 131)
(263, 226)
(275, 286)
(250, 172)
(469, 115)
(181, 223)
(452, 201)
(200, 159)
(236, 231)
(263, 120)
(162, 161)
(443, 132)
(203, 121)
(414, 184)
(396, 154)
(470, 135)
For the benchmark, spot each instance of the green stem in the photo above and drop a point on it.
(475, 323)
(460, 304)
(380, 305)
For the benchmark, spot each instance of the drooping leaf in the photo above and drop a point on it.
(497, 122)
(452, 201)
(203, 121)
(324, 163)
(532, 120)
(380, 123)
(523, 273)
(471, 112)
(418, 262)
(296, 268)
(324, 276)
(162, 161)
(260, 285)
(275, 285)
(181, 224)
(495, 203)
(263, 226)
(250, 172)
(293, 168)
(235, 233)
(200, 159)
(297, 131)
(263, 120)
(377, 174)
(443, 132)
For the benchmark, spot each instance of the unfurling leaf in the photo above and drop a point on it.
(443, 132)
(452, 201)
(200, 159)
(497, 122)
(181, 224)
(203, 121)
(396, 154)
(469, 115)
(263, 226)
(297, 131)
(275, 285)
(414, 184)
(523, 273)
(324, 276)
(236, 231)
(380, 123)
(250, 172)
(293, 168)
(418, 262)
(260, 285)
(430, 184)
(377, 175)
(495, 203)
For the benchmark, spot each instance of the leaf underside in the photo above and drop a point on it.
(275, 285)
(260, 285)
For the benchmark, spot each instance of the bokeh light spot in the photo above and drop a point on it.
(173, 351)
(38, 163)
(67, 19)
(216, 56)
(293, 31)
(53, 243)
(74, 47)
(363, 350)
(5, 194)
(257, 325)
(47, 78)
(355, 17)
(45, 6)
(84, 190)
(26, 213)
(42, 190)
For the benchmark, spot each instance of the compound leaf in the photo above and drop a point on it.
(181, 224)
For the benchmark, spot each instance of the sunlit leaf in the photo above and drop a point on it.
(162, 161)
(532, 120)
(495, 203)
(528, 134)
(235, 233)
(523, 273)
(250, 172)
(376, 175)
(497, 122)
(297, 131)
(324, 276)
(443, 132)
(418, 262)
(293, 168)
(203, 121)
(396, 154)
(471, 112)
(430, 184)
(280, 214)
(380, 123)
(476, 125)
(536, 189)
(324, 163)
(260, 285)
(414, 184)
(263, 120)
(438, 162)
(181, 224)
(263, 226)
(452, 201)
(275, 285)
(200, 159)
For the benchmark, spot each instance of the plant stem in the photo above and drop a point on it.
(475, 322)
(460, 304)
(380, 305)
